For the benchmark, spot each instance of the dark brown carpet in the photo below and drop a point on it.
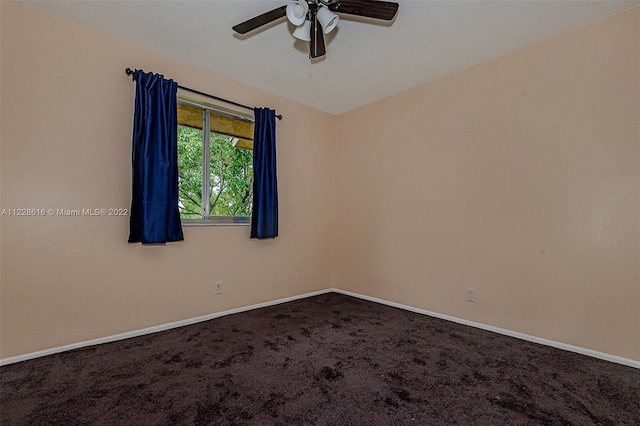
(324, 360)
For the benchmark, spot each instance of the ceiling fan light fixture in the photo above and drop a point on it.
(297, 11)
(303, 32)
(328, 20)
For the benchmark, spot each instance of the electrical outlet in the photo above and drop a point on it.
(217, 287)
(471, 294)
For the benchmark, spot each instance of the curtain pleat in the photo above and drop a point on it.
(155, 217)
(264, 218)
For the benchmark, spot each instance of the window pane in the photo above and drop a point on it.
(231, 177)
(225, 181)
(190, 172)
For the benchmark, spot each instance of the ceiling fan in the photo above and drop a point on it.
(314, 18)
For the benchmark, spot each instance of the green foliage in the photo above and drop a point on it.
(190, 172)
(231, 176)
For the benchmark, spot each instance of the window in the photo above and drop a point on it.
(215, 164)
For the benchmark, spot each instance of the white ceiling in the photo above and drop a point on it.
(366, 59)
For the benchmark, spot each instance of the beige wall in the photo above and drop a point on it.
(66, 143)
(517, 177)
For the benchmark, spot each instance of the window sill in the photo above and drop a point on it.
(219, 221)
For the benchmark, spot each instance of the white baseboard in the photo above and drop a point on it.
(522, 336)
(163, 327)
(155, 329)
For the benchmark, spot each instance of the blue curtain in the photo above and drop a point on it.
(154, 206)
(264, 218)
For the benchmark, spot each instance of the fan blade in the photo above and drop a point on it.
(260, 20)
(370, 8)
(316, 45)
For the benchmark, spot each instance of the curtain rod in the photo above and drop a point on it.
(129, 71)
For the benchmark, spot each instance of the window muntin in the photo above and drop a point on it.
(217, 163)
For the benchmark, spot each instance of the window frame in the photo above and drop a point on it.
(207, 109)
